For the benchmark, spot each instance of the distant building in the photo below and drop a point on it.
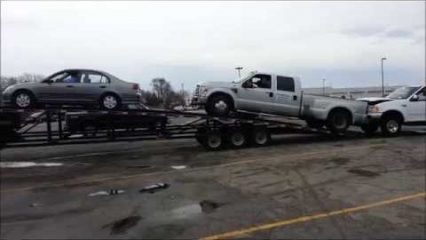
(351, 93)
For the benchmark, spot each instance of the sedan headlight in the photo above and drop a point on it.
(373, 109)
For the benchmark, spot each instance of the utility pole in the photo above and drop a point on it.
(383, 76)
(323, 86)
(239, 71)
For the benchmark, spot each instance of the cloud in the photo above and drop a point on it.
(195, 41)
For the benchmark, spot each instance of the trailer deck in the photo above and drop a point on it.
(70, 125)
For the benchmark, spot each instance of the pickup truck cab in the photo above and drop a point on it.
(405, 105)
(279, 95)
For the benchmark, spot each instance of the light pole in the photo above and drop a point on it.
(323, 86)
(383, 76)
(239, 71)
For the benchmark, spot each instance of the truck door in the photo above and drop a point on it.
(287, 102)
(416, 107)
(256, 94)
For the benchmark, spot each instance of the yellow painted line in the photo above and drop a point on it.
(254, 159)
(308, 218)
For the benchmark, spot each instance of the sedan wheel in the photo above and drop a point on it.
(110, 102)
(23, 100)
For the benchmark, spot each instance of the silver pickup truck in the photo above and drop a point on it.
(280, 95)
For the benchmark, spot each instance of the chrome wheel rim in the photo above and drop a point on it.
(237, 139)
(23, 100)
(221, 106)
(214, 140)
(110, 102)
(392, 126)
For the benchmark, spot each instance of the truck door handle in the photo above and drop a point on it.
(102, 86)
(294, 97)
(70, 86)
(271, 94)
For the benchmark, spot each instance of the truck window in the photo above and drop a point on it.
(285, 84)
(261, 81)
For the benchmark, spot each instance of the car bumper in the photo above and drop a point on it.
(373, 117)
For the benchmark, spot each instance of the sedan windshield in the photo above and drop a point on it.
(402, 93)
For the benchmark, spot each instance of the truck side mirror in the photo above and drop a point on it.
(414, 98)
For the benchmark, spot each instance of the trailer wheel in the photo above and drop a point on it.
(237, 138)
(213, 140)
(338, 121)
(260, 136)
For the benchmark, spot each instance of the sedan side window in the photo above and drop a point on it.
(261, 81)
(59, 78)
(95, 78)
(73, 77)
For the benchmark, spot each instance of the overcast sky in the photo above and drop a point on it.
(190, 42)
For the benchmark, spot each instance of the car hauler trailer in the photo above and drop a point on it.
(64, 125)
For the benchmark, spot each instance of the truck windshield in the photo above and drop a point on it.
(402, 93)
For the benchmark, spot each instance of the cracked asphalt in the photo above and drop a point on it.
(302, 186)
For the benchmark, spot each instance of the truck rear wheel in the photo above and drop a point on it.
(338, 122)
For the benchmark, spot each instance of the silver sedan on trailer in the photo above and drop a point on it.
(74, 86)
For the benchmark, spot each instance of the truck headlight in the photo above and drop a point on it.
(203, 91)
(373, 109)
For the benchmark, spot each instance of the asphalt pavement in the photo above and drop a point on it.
(301, 186)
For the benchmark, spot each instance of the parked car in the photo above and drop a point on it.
(405, 105)
(74, 86)
(281, 95)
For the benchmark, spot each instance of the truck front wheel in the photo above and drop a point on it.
(338, 122)
(219, 105)
(391, 125)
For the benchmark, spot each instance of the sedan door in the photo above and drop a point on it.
(61, 88)
(256, 94)
(94, 84)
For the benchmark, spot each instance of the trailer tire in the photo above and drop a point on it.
(338, 121)
(237, 138)
(213, 140)
(260, 136)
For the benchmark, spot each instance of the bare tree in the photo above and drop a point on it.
(30, 77)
